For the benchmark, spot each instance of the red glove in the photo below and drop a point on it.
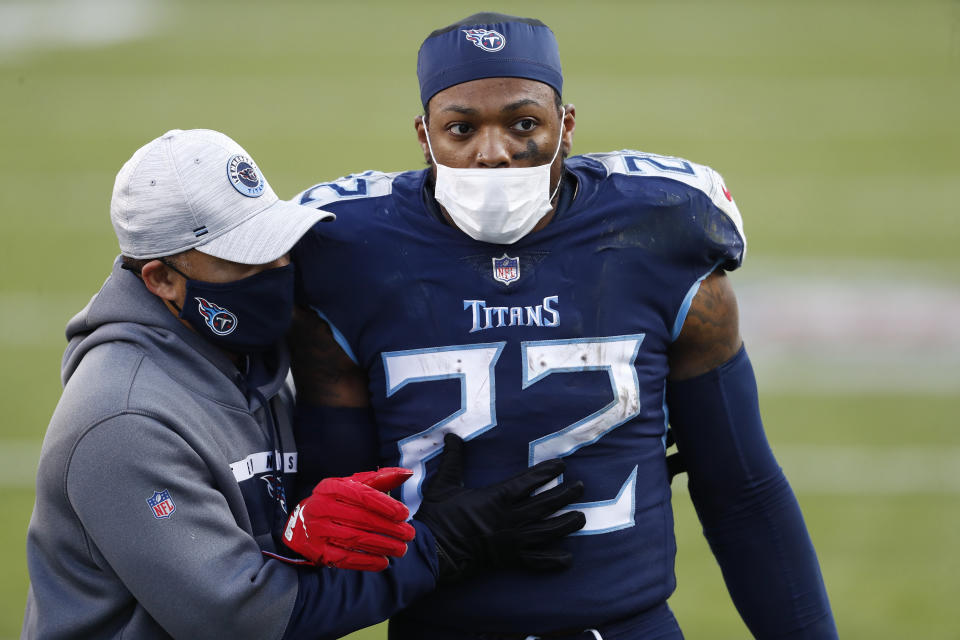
(348, 523)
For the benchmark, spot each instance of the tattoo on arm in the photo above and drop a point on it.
(323, 373)
(711, 331)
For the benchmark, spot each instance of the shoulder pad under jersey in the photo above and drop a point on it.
(641, 164)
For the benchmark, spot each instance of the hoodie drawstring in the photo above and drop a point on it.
(279, 494)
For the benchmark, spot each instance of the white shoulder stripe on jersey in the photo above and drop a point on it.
(698, 176)
(262, 462)
(369, 184)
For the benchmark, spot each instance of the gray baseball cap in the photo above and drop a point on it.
(199, 189)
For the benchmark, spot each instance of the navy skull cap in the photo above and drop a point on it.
(488, 45)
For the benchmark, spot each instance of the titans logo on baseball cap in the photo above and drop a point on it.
(245, 177)
(488, 45)
(199, 189)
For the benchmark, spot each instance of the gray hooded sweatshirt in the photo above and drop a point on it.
(158, 495)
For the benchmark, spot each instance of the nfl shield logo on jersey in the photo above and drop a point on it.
(162, 504)
(506, 269)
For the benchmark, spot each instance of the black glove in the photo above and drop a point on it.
(501, 525)
(675, 462)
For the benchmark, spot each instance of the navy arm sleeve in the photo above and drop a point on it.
(334, 602)
(333, 442)
(748, 511)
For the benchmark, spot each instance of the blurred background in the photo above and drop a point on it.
(834, 124)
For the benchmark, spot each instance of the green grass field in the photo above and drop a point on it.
(834, 124)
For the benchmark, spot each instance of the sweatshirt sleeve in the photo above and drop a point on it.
(150, 509)
(149, 506)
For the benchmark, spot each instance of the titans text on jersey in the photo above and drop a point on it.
(554, 346)
(487, 316)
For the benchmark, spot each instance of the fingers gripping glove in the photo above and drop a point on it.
(501, 525)
(348, 523)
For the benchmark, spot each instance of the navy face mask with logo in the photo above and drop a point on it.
(244, 316)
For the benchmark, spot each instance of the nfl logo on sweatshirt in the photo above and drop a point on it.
(162, 504)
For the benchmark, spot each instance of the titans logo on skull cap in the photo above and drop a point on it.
(486, 39)
(244, 176)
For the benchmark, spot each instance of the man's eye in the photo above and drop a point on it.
(459, 129)
(527, 124)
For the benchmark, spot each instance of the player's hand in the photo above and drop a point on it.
(501, 525)
(348, 523)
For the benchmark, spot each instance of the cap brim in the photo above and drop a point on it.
(267, 235)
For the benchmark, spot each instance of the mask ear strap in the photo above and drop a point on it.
(426, 133)
(167, 264)
(563, 114)
(185, 277)
(557, 190)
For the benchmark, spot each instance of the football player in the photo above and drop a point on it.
(544, 306)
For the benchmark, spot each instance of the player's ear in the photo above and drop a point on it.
(420, 123)
(569, 124)
(161, 281)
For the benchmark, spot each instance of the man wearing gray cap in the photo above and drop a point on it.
(163, 480)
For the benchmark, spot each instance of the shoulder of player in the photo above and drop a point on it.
(643, 166)
(645, 182)
(354, 187)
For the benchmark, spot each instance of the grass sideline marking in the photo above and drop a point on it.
(840, 326)
(55, 24)
(866, 471)
(811, 469)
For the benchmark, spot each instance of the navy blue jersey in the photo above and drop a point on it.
(553, 346)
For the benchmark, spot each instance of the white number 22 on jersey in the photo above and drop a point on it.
(474, 365)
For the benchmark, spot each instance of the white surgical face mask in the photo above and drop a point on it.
(498, 206)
